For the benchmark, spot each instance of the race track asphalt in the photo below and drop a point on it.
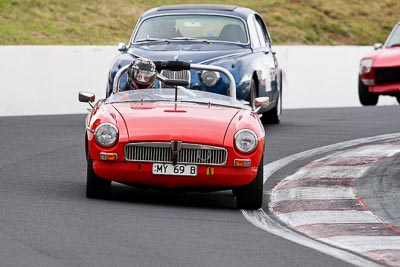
(321, 201)
(47, 221)
(381, 190)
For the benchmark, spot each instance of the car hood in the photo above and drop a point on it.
(191, 123)
(188, 53)
(387, 57)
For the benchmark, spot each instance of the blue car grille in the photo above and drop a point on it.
(187, 154)
(176, 75)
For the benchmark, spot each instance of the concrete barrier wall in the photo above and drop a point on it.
(38, 80)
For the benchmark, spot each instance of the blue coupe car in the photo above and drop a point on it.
(231, 37)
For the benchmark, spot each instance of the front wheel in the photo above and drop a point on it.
(274, 115)
(250, 196)
(95, 186)
(366, 98)
(252, 94)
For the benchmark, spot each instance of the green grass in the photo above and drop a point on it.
(105, 22)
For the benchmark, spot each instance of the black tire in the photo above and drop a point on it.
(252, 94)
(366, 98)
(398, 98)
(250, 196)
(95, 186)
(274, 115)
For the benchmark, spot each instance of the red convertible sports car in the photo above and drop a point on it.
(175, 138)
(380, 71)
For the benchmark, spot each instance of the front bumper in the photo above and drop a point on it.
(385, 88)
(141, 174)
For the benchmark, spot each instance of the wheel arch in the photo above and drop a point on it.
(256, 80)
(86, 146)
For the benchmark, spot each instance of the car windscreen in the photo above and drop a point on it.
(191, 27)
(168, 95)
(394, 38)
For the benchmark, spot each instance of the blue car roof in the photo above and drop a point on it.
(200, 9)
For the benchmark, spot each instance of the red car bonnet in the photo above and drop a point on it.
(185, 122)
(388, 57)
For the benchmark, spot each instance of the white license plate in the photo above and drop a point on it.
(169, 169)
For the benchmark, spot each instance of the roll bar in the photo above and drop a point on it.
(177, 66)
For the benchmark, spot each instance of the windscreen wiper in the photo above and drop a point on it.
(151, 40)
(191, 39)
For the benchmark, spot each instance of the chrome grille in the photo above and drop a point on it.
(176, 75)
(188, 153)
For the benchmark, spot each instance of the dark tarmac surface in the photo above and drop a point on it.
(380, 189)
(45, 219)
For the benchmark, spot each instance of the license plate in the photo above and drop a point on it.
(169, 169)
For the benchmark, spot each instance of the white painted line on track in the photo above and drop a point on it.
(298, 218)
(350, 164)
(275, 166)
(329, 172)
(364, 243)
(306, 193)
(373, 151)
(264, 221)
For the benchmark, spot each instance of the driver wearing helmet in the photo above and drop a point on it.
(141, 74)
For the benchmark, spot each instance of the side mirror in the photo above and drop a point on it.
(260, 102)
(86, 97)
(122, 47)
(377, 46)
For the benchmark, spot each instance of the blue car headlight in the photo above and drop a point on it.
(210, 78)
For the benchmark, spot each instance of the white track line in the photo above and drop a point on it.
(364, 244)
(264, 221)
(322, 170)
(386, 150)
(298, 218)
(329, 172)
(275, 166)
(313, 193)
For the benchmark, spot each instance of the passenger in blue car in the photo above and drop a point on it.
(141, 74)
(167, 28)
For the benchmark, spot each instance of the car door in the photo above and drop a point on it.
(269, 62)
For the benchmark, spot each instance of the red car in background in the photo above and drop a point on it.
(380, 71)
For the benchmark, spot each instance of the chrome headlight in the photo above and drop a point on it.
(210, 78)
(365, 65)
(246, 141)
(106, 134)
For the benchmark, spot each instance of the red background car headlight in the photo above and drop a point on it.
(365, 65)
